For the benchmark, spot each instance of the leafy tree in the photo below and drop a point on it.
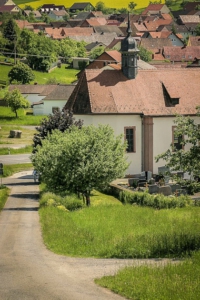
(80, 160)
(68, 48)
(97, 52)
(174, 29)
(123, 10)
(61, 120)
(41, 53)
(145, 54)
(28, 7)
(132, 5)
(100, 6)
(185, 160)
(197, 30)
(26, 39)
(21, 73)
(16, 101)
(10, 30)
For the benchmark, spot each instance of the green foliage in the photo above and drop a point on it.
(5, 151)
(197, 30)
(165, 281)
(68, 48)
(139, 232)
(70, 201)
(97, 52)
(4, 192)
(158, 201)
(192, 186)
(61, 120)
(16, 101)
(100, 6)
(21, 73)
(132, 5)
(81, 159)
(145, 54)
(9, 170)
(10, 30)
(8, 117)
(187, 161)
(82, 65)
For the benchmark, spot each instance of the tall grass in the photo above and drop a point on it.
(23, 150)
(169, 282)
(9, 170)
(122, 231)
(4, 191)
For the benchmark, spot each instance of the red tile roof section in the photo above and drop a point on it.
(109, 91)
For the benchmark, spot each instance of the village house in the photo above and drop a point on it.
(45, 98)
(8, 6)
(80, 6)
(141, 105)
(58, 15)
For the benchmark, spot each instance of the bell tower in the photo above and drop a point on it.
(129, 53)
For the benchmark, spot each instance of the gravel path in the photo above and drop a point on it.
(29, 271)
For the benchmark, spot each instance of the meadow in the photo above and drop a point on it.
(109, 229)
(63, 75)
(108, 3)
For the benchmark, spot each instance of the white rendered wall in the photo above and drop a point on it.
(162, 138)
(49, 104)
(118, 122)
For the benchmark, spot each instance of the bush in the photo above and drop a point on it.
(69, 202)
(158, 201)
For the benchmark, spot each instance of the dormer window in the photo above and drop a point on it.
(170, 95)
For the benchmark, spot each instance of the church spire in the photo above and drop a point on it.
(129, 30)
(129, 53)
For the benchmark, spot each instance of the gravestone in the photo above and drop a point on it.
(165, 190)
(174, 187)
(153, 188)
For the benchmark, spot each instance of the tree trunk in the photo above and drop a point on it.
(87, 196)
(16, 114)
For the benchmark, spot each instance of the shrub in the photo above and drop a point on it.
(72, 204)
(69, 202)
(158, 201)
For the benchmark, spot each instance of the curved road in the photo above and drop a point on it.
(28, 270)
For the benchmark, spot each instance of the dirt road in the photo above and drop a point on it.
(28, 270)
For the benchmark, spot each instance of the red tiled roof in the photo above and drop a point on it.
(7, 8)
(167, 16)
(181, 53)
(115, 55)
(194, 41)
(153, 7)
(23, 23)
(110, 92)
(78, 31)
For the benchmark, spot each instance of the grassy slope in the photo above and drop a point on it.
(63, 74)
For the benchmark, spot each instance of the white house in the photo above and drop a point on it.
(43, 98)
(139, 104)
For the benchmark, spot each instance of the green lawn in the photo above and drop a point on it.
(109, 229)
(63, 75)
(7, 117)
(9, 170)
(168, 282)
